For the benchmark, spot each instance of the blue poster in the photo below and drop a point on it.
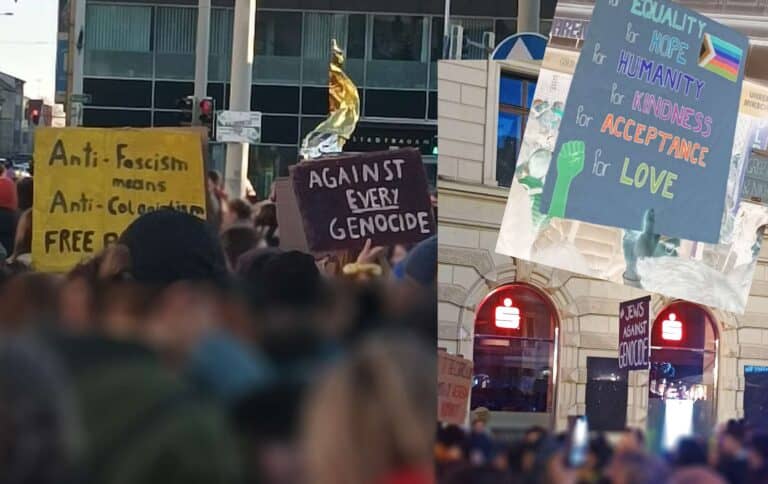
(649, 121)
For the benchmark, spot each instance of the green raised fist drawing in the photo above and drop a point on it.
(570, 162)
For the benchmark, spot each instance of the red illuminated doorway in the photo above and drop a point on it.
(515, 355)
(683, 377)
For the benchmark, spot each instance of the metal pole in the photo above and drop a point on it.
(77, 44)
(236, 170)
(447, 29)
(201, 54)
(528, 15)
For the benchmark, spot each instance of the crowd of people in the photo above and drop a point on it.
(736, 454)
(195, 351)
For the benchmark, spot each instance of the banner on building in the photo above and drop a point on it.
(634, 334)
(649, 122)
(454, 384)
(91, 183)
(616, 211)
(346, 200)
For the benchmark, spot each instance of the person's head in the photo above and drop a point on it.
(534, 434)
(28, 300)
(24, 193)
(214, 180)
(78, 295)
(236, 241)
(421, 263)
(168, 246)
(549, 464)
(39, 426)
(631, 440)
(732, 439)
(238, 211)
(636, 468)
(695, 475)
(758, 453)
(451, 444)
(479, 419)
(599, 453)
(690, 452)
(373, 414)
(269, 419)
(267, 216)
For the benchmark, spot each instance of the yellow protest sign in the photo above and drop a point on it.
(91, 183)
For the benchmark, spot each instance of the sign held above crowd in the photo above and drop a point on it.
(345, 200)
(91, 183)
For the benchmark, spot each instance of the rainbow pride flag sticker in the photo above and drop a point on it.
(720, 57)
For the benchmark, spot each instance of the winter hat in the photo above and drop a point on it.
(8, 196)
(421, 263)
(168, 246)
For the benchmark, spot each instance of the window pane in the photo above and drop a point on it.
(546, 26)
(117, 42)
(531, 86)
(511, 374)
(175, 34)
(436, 49)
(756, 397)
(116, 118)
(399, 57)
(220, 51)
(505, 28)
(267, 163)
(474, 30)
(319, 29)
(508, 146)
(397, 37)
(510, 91)
(278, 46)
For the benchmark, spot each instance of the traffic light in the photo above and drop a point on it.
(185, 104)
(206, 113)
(34, 109)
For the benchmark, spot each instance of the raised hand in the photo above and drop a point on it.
(570, 163)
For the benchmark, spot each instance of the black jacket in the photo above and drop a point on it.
(8, 220)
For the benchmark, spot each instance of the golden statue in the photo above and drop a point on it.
(343, 112)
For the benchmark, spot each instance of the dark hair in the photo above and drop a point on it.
(241, 208)
(267, 216)
(214, 176)
(736, 430)
(236, 241)
(690, 452)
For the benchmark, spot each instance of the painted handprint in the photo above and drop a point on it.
(570, 163)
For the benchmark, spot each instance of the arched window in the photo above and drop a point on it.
(515, 351)
(681, 388)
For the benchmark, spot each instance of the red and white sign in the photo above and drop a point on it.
(454, 383)
(507, 316)
(671, 328)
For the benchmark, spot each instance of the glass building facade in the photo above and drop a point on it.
(140, 60)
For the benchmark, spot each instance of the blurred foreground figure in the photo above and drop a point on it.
(371, 420)
(38, 425)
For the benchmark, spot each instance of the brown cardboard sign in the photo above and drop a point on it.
(346, 200)
(454, 383)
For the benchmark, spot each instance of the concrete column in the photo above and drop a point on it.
(528, 14)
(201, 54)
(236, 171)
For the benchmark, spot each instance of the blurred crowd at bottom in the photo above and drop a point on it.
(184, 354)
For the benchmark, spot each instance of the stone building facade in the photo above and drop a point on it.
(471, 209)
